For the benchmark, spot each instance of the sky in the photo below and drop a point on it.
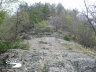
(69, 4)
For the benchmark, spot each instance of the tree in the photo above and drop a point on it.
(46, 12)
(2, 16)
(59, 9)
(6, 2)
(90, 12)
(52, 9)
(3, 12)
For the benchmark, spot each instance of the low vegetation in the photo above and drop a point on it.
(5, 45)
(75, 47)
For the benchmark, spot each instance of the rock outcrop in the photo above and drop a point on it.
(49, 54)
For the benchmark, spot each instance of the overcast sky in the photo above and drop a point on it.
(70, 4)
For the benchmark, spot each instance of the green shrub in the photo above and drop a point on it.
(5, 45)
(48, 29)
(2, 16)
(41, 24)
(66, 37)
(69, 37)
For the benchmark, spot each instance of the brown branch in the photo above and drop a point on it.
(87, 16)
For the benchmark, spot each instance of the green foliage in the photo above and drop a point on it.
(67, 37)
(86, 36)
(70, 20)
(5, 45)
(2, 16)
(7, 34)
(8, 29)
(35, 15)
(46, 12)
(41, 24)
(31, 17)
(38, 12)
(7, 38)
(48, 29)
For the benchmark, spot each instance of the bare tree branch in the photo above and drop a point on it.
(87, 16)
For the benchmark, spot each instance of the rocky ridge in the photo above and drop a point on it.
(50, 54)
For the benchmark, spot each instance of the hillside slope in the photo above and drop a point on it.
(50, 54)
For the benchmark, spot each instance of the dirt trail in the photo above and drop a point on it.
(49, 54)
